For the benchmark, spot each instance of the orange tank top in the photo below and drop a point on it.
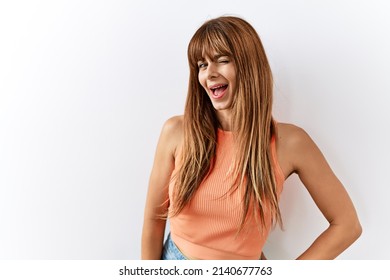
(207, 227)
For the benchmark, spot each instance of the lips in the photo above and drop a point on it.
(218, 91)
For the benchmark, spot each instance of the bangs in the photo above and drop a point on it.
(209, 40)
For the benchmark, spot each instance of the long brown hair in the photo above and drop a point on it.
(252, 121)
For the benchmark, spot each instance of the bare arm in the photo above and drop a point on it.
(327, 192)
(156, 201)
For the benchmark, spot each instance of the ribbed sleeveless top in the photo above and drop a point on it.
(207, 227)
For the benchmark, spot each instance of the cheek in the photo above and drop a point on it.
(201, 80)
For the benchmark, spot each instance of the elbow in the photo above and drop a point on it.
(357, 230)
(351, 231)
(354, 231)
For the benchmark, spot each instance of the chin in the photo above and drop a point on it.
(221, 107)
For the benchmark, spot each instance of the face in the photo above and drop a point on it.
(217, 75)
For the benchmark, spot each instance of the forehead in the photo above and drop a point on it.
(211, 51)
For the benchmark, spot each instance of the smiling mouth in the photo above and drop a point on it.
(218, 91)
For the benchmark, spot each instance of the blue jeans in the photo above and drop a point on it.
(170, 251)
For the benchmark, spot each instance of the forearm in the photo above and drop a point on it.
(152, 240)
(332, 242)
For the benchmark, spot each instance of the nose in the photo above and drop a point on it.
(212, 71)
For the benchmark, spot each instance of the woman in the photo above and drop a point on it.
(219, 169)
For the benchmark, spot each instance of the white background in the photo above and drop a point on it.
(85, 87)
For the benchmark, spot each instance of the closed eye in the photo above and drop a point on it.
(222, 58)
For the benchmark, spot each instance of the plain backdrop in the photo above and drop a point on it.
(85, 87)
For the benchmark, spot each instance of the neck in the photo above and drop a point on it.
(224, 118)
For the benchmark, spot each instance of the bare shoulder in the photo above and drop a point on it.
(293, 145)
(174, 124)
(291, 135)
(172, 133)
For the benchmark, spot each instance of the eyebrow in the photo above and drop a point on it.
(214, 58)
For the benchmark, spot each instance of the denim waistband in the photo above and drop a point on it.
(170, 250)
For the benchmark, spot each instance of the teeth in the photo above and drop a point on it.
(213, 88)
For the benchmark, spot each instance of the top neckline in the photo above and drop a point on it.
(224, 133)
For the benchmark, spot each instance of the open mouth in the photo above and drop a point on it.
(219, 90)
